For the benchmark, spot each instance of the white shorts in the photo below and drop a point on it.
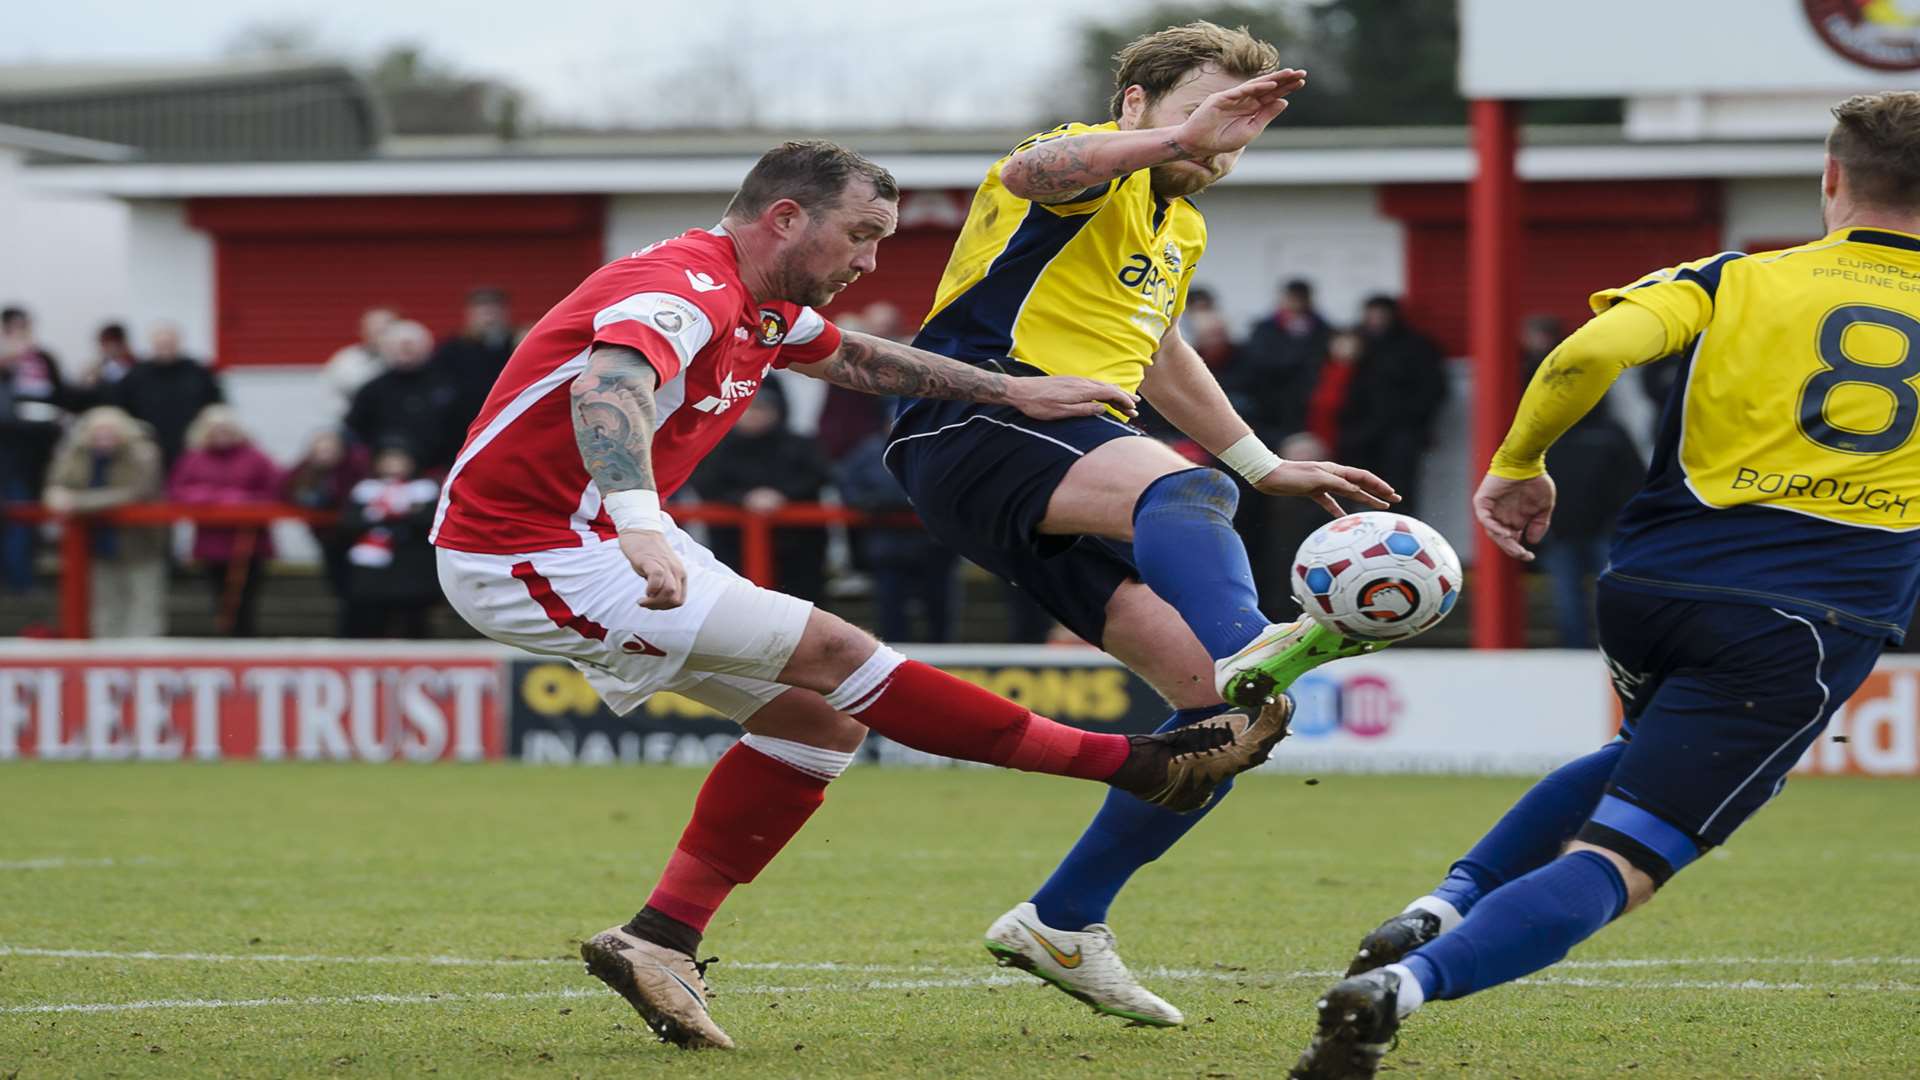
(722, 648)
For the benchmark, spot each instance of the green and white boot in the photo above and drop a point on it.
(1281, 654)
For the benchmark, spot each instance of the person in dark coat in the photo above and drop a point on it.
(112, 362)
(473, 359)
(912, 572)
(167, 391)
(762, 466)
(1398, 387)
(1276, 368)
(411, 400)
(392, 583)
(1597, 458)
(33, 407)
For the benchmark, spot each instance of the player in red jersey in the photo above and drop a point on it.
(552, 539)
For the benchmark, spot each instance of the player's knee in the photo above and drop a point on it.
(1640, 882)
(830, 650)
(1645, 847)
(837, 732)
(1201, 492)
(804, 717)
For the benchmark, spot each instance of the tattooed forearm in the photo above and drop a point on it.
(613, 419)
(1059, 169)
(875, 365)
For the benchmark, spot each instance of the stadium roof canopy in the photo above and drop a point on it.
(692, 162)
(53, 146)
(213, 112)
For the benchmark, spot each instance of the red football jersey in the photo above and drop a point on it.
(519, 485)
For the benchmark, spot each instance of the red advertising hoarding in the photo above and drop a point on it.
(292, 701)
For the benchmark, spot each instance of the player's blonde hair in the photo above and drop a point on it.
(1877, 141)
(1160, 61)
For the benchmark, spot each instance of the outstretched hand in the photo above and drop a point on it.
(1321, 481)
(1056, 397)
(1514, 512)
(1232, 118)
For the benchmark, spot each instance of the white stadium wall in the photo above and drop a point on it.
(169, 274)
(66, 261)
(634, 221)
(1761, 213)
(1333, 236)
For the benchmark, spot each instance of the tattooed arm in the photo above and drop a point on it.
(613, 419)
(874, 365)
(1061, 169)
(613, 424)
(1065, 169)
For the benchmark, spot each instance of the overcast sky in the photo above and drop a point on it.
(990, 62)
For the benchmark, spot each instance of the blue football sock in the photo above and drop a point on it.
(1189, 555)
(1125, 835)
(1522, 927)
(1533, 832)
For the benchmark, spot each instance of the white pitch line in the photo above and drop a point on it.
(420, 961)
(257, 1003)
(878, 985)
(62, 863)
(272, 958)
(1736, 961)
(957, 983)
(1715, 984)
(830, 966)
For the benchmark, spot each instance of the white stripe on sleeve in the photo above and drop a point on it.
(809, 324)
(680, 321)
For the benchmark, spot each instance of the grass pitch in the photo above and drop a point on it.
(285, 920)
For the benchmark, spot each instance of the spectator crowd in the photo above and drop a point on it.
(149, 425)
(156, 426)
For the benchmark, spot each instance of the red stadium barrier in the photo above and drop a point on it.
(76, 547)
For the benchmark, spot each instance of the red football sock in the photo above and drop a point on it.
(747, 810)
(930, 710)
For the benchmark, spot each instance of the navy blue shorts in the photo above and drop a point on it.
(980, 476)
(1720, 702)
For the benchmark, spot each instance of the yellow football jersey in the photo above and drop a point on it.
(1787, 467)
(1087, 287)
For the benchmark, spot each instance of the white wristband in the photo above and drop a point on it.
(1250, 458)
(634, 511)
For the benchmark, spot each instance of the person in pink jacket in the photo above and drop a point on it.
(222, 467)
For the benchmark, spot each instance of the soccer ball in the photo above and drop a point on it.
(1376, 576)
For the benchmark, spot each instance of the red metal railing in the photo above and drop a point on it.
(76, 534)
